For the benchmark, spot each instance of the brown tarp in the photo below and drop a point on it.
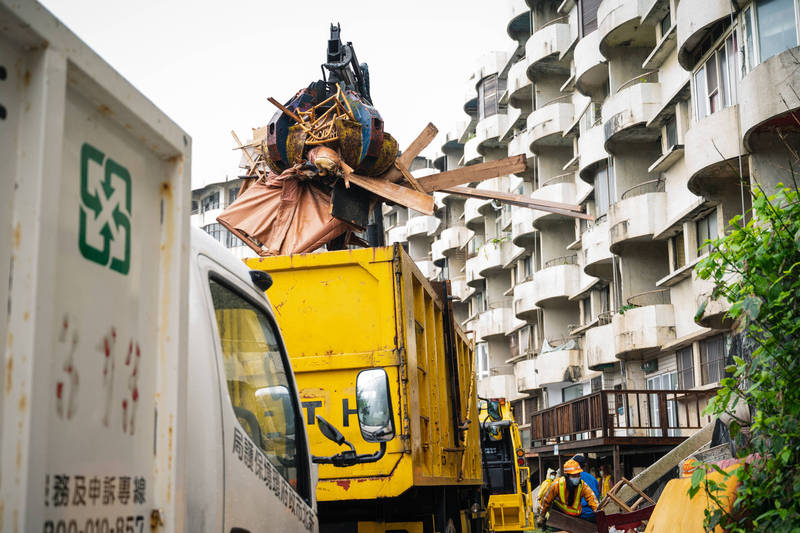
(287, 214)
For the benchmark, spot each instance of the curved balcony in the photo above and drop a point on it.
(545, 47)
(526, 376)
(460, 290)
(437, 253)
(524, 296)
(521, 144)
(591, 68)
(646, 327)
(499, 386)
(558, 366)
(626, 113)
(522, 230)
(519, 85)
(472, 212)
(492, 184)
(714, 313)
(494, 323)
(556, 282)
(473, 276)
(547, 124)
(471, 153)
(488, 132)
(637, 216)
(454, 239)
(519, 20)
(619, 24)
(596, 252)
(598, 346)
(703, 146)
(451, 139)
(695, 20)
(422, 225)
(397, 234)
(760, 113)
(489, 259)
(514, 121)
(428, 269)
(559, 188)
(592, 151)
(470, 98)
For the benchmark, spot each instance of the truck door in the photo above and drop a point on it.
(267, 482)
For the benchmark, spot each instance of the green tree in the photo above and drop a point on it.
(756, 268)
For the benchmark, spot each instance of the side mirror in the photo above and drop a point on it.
(330, 431)
(374, 405)
(261, 279)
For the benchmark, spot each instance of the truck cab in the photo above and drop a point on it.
(245, 427)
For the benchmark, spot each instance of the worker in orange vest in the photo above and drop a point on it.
(565, 493)
(605, 481)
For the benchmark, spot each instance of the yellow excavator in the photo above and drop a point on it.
(507, 484)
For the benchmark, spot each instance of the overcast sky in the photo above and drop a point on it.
(210, 66)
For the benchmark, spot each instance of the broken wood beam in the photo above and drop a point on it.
(395, 193)
(574, 211)
(407, 174)
(407, 157)
(479, 172)
(286, 110)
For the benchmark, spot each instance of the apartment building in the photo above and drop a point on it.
(208, 202)
(657, 116)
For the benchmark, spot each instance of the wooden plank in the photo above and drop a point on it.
(407, 175)
(395, 193)
(291, 114)
(568, 523)
(418, 145)
(522, 201)
(479, 172)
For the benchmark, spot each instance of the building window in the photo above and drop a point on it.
(666, 22)
(478, 302)
(770, 29)
(671, 131)
(211, 202)
(572, 392)
(482, 359)
(490, 89)
(714, 80)
(685, 361)
(678, 251)
(588, 16)
(712, 359)
(217, 231)
(474, 245)
(587, 310)
(597, 384)
(706, 230)
(391, 220)
(195, 206)
(232, 193)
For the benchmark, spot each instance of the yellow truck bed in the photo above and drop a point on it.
(345, 311)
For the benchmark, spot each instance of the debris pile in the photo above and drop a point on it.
(323, 164)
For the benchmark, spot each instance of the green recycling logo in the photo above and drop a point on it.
(105, 211)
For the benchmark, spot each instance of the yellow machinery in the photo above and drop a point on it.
(507, 485)
(354, 320)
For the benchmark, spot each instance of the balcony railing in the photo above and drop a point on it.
(647, 77)
(622, 413)
(605, 318)
(644, 188)
(562, 98)
(564, 19)
(563, 260)
(569, 177)
(656, 297)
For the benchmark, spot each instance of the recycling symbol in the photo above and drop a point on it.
(104, 235)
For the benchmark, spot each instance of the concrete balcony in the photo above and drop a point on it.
(558, 366)
(557, 282)
(472, 212)
(547, 124)
(489, 259)
(545, 47)
(398, 234)
(706, 165)
(474, 278)
(500, 386)
(471, 153)
(519, 22)
(460, 289)
(637, 216)
(596, 252)
(695, 22)
(526, 376)
(592, 151)
(488, 132)
(197, 220)
(454, 239)
(598, 347)
(428, 269)
(559, 188)
(591, 68)
(522, 230)
(494, 323)
(644, 329)
(626, 113)
(619, 24)
(524, 297)
(519, 85)
(437, 252)
(514, 122)
(426, 225)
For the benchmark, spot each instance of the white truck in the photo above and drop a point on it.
(144, 383)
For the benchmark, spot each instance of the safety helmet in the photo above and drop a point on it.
(572, 467)
(689, 466)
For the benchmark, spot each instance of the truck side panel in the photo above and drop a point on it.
(93, 407)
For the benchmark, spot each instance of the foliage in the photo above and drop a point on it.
(626, 307)
(756, 268)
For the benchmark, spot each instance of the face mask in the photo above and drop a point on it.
(574, 481)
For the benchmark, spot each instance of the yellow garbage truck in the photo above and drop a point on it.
(387, 384)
